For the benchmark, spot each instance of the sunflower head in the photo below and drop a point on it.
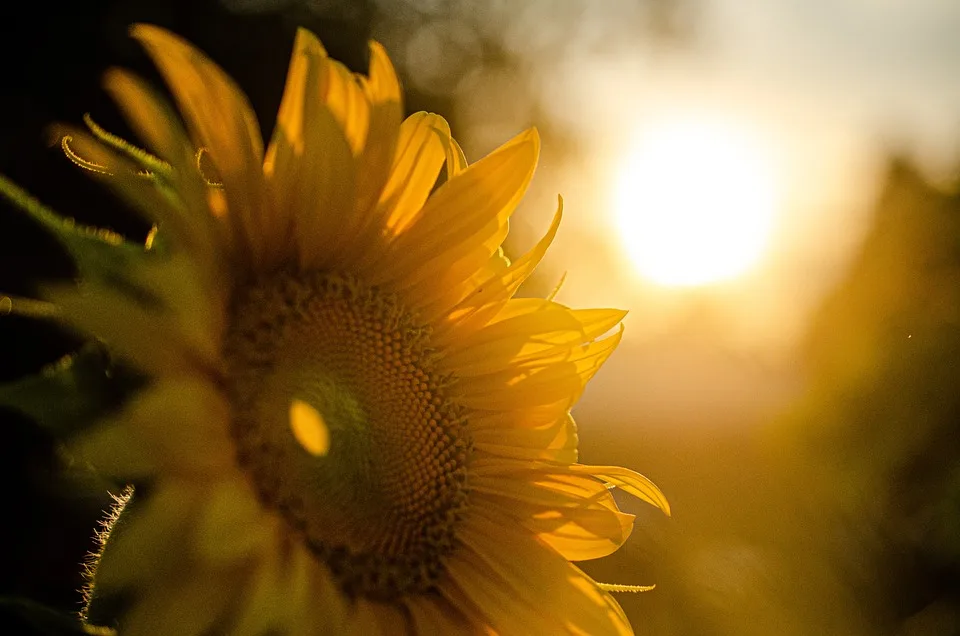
(350, 423)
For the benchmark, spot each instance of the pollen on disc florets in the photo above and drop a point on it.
(381, 507)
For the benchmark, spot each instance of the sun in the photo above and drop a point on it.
(694, 202)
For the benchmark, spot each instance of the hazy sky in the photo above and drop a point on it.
(824, 87)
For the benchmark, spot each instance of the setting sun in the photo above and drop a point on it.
(694, 203)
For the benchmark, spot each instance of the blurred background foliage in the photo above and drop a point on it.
(840, 514)
(815, 482)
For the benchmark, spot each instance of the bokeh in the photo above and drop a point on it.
(770, 189)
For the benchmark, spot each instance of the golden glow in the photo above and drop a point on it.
(309, 428)
(694, 203)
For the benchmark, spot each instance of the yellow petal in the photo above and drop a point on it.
(310, 165)
(527, 416)
(323, 192)
(415, 167)
(589, 526)
(549, 334)
(222, 122)
(536, 383)
(629, 481)
(524, 587)
(487, 295)
(463, 213)
(456, 160)
(549, 486)
(382, 90)
(555, 441)
(433, 614)
(344, 96)
(382, 85)
(582, 534)
(454, 280)
(281, 164)
(372, 617)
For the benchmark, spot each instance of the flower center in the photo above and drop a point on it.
(380, 504)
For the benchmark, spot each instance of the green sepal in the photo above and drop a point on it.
(99, 254)
(153, 167)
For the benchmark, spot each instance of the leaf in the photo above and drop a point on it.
(70, 393)
(98, 252)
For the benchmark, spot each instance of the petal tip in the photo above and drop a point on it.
(143, 31)
(306, 41)
(530, 136)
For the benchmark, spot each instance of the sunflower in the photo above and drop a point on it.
(349, 424)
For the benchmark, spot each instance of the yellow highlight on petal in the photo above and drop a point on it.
(308, 427)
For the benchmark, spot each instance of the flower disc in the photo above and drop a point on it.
(381, 505)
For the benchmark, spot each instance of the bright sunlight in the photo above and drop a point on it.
(695, 203)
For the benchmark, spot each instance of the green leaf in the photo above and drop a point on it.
(99, 253)
(70, 393)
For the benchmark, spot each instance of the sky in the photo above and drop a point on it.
(825, 90)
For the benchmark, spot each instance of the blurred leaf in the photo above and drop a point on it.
(99, 253)
(28, 618)
(880, 420)
(66, 395)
